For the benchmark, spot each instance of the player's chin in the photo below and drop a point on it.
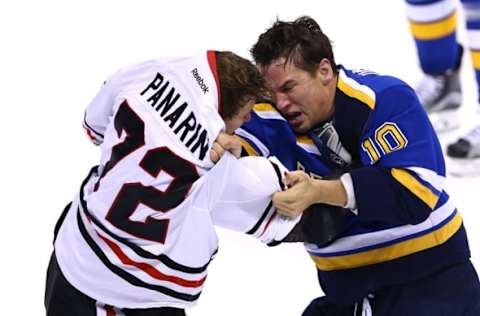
(300, 126)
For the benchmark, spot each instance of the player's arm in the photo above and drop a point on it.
(404, 183)
(401, 180)
(241, 191)
(321, 223)
(246, 209)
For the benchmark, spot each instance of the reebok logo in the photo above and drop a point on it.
(200, 81)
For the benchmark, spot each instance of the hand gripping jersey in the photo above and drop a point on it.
(140, 233)
(406, 227)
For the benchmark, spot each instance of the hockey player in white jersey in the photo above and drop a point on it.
(138, 237)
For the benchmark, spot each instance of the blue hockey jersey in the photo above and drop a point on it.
(406, 227)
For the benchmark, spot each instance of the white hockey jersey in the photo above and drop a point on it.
(140, 233)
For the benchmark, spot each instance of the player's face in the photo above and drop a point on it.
(303, 98)
(241, 117)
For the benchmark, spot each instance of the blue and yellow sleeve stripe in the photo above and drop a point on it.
(421, 189)
(356, 90)
(249, 148)
(392, 249)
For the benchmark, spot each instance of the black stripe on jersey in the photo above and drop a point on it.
(60, 221)
(279, 175)
(138, 250)
(269, 206)
(260, 221)
(89, 127)
(126, 276)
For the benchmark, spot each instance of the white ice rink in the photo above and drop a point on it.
(54, 56)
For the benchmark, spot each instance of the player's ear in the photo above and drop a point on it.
(325, 71)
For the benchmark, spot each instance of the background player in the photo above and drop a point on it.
(434, 27)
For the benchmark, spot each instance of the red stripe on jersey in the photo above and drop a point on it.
(90, 134)
(212, 62)
(110, 311)
(268, 223)
(150, 270)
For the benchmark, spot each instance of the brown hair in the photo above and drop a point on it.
(301, 41)
(240, 81)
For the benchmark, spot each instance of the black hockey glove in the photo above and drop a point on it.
(320, 225)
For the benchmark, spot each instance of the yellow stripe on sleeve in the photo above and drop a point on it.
(248, 148)
(476, 59)
(417, 188)
(304, 139)
(355, 93)
(434, 30)
(264, 107)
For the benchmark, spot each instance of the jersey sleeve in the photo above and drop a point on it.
(99, 111)
(403, 174)
(244, 202)
(267, 133)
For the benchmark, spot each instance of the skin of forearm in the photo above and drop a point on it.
(329, 192)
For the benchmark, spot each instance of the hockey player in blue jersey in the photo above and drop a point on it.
(403, 250)
(433, 24)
